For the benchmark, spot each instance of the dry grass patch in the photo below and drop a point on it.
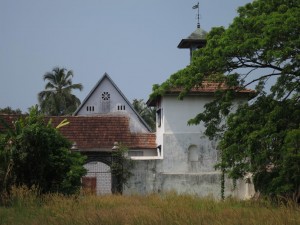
(151, 209)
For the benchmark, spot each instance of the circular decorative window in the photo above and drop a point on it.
(105, 96)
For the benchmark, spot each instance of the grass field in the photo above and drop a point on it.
(26, 208)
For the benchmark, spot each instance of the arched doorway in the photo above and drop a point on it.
(98, 178)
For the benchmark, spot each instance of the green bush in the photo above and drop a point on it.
(34, 153)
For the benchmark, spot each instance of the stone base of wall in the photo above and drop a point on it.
(148, 179)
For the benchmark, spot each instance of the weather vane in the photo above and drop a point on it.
(197, 7)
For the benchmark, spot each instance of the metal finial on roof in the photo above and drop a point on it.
(197, 7)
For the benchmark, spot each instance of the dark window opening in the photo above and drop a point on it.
(159, 150)
(158, 117)
(90, 108)
(121, 107)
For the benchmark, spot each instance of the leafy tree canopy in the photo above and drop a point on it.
(57, 98)
(34, 153)
(260, 48)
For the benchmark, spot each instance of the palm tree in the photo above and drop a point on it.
(57, 98)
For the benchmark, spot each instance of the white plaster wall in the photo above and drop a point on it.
(148, 179)
(160, 129)
(178, 112)
(176, 153)
(175, 115)
(144, 179)
(206, 184)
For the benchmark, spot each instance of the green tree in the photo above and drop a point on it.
(34, 153)
(148, 114)
(261, 47)
(9, 110)
(263, 139)
(121, 167)
(57, 98)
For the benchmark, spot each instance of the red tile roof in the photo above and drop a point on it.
(210, 87)
(98, 132)
(205, 88)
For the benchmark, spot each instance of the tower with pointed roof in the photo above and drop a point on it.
(195, 40)
(188, 156)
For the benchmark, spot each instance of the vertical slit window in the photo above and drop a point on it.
(158, 117)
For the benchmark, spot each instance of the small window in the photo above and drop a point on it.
(105, 96)
(135, 153)
(158, 117)
(193, 153)
(90, 108)
(120, 107)
(159, 150)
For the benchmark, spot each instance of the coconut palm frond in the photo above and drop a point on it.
(57, 98)
(62, 123)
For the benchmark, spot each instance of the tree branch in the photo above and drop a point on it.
(256, 64)
(261, 78)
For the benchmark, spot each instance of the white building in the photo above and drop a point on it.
(186, 156)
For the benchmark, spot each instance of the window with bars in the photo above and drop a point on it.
(90, 108)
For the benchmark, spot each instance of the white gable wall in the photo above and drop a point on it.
(101, 93)
(106, 99)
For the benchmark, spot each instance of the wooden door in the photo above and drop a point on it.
(89, 184)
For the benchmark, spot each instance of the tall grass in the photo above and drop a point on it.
(29, 208)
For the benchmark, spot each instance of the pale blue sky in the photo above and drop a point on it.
(134, 41)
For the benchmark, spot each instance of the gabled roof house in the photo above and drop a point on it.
(112, 118)
(105, 117)
(105, 120)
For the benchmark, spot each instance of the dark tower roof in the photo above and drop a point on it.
(197, 39)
